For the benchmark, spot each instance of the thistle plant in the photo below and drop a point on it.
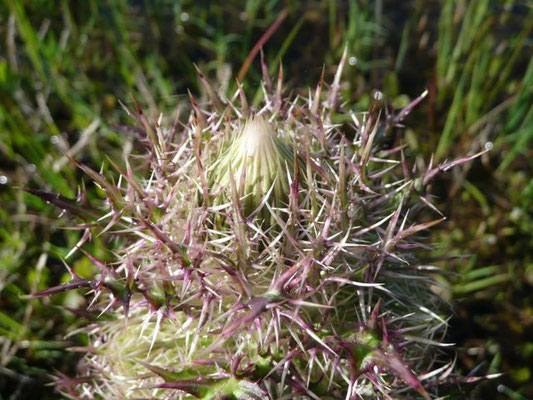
(265, 253)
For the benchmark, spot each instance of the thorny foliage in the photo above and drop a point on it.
(307, 288)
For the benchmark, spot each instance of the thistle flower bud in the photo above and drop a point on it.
(329, 304)
(258, 164)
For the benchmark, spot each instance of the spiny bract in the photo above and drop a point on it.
(268, 254)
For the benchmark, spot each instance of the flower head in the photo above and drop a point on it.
(258, 164)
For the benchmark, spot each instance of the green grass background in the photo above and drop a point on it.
(64, 65)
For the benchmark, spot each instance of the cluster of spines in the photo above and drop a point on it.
(220, 295)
